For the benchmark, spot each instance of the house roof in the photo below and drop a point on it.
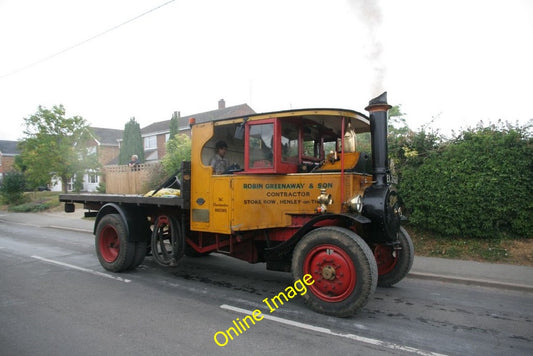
(213, 115)
(107, 137)
(9, 148)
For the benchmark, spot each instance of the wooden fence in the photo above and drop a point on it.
(130, 180)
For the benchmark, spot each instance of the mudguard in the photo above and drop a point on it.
(283, 250)
(137, 227)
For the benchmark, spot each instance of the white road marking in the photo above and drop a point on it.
(366, 340)
(69, 228)
(96, 273)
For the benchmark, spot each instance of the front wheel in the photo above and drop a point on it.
(343, 269)
(394, 262)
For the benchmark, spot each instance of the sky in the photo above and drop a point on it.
(448, 63)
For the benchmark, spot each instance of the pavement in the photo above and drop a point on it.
(495, 275)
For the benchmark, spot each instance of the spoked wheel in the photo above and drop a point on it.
(343, 269)
(113, 249)
(168, 242)
(394, 262)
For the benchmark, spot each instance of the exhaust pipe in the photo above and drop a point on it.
(379, 201)
(378, 109)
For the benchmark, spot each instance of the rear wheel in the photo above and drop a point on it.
(141, 248)
(343, 269)
(394, 262)
(168, 242)
(114, 251)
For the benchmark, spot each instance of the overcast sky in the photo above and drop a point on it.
(455, 62)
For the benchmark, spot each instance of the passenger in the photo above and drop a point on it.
(218, 162)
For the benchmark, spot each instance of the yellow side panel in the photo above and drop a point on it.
(201, 188)
(269, 201)
(230, 203)
(221, 204)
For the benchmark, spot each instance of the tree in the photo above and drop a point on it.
(174, 124)
(178, 150)
(55, 146)
(132, 143)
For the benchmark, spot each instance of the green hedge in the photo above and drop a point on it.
(12, 188)
(479, 185)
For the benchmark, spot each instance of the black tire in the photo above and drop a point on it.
(394, 265)
(141, 248)
(142, 245)
(167, 242)
(114, 251)
(343, 269)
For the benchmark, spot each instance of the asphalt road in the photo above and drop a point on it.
(55, 299)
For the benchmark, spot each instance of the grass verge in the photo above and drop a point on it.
(35, 202)
(495, 250)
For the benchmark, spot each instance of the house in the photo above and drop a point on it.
(8, 152)
(105, 144)
(157, 134)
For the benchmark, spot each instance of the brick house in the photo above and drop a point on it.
(105, 143)
(157, 134)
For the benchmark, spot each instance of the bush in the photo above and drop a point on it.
(12, 188)
(101, 188)
(33, 207)
(156, 177)
(178, 150)
(479, 185)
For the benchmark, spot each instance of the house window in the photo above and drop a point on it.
(70, 185)
(167, 137)
(93, 177)
(150, 142)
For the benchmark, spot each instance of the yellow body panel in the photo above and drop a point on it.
(249, 202)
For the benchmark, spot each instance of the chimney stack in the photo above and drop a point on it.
(221, 104)
(378, 108)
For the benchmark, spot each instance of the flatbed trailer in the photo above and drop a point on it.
(96, 201)
(306, 201)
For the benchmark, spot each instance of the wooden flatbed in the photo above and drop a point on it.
(95, 201)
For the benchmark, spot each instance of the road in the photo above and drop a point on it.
(55, 299)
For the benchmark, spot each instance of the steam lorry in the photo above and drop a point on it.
(301, 198)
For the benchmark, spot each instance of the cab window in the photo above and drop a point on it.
(260, 145)
(289, 142)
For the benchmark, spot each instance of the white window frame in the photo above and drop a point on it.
(150, 142)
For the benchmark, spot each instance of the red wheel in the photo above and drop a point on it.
(113, 249)
(109, 243)
(386, 258)
(394, 262)
(333, 272)
(342, 268)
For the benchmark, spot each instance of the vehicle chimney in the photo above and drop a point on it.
(378, 109)
(221, 104)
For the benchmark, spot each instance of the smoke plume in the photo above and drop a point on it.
(369, 13)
